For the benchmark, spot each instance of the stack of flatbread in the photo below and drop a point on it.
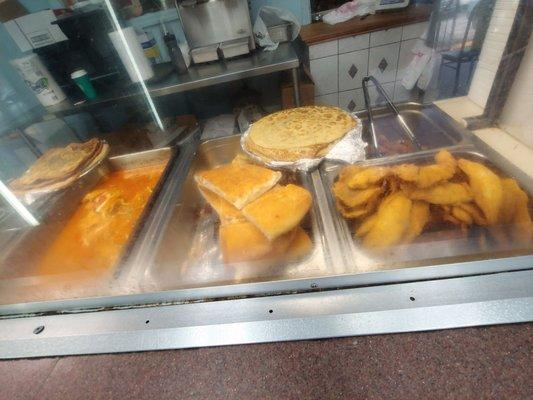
(59, 167)
(259, 218)
(298, 133)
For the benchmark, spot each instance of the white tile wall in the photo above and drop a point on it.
(328, 100)
(323, 49)
(354, 43)
(491, 53)
(383, 62)
(414, 31)
(353, 67)
(325, 74)
(386, 36)
(352, 100)
(330, 63)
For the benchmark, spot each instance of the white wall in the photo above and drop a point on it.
(516, 116)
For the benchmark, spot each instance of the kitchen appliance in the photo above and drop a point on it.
(209, 24)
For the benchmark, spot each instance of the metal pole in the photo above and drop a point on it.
(296, 86)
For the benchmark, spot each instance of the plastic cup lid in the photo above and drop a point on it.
(78, 73)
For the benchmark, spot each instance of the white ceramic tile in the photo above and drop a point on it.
(414, 31)
(386, 36)
(323, 49)
(402, 95)
(354, 43)
(325, 75)
(352, 100)
(383, 62)
(328, 100)
(353, 67)
(406, 56)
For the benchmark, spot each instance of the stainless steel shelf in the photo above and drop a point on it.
(198, 76)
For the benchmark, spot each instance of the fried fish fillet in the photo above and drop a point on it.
(444, 193)
(406, 172)
(354, 213)
(227, 212)
(392, 221)
(486, 188)
(348, 171)
(354, 198)
(238, 184)
(462, 215)
(279, 210)
(368, 177)
(366, 225)
(516, 200)
(418, 219)
(475, 213)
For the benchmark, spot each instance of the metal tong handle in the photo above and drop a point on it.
(411, 136)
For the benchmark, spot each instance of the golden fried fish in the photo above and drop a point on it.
(417, 221)
(406, 172)
(354, 198)
(366, 225)
(486, 188)
(522, 229)
(348, 172)
(444, 193)
(462, 215)
(368, 177)
(392, 221)
(474, 211)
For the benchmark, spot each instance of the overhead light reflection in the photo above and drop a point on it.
(17, 205)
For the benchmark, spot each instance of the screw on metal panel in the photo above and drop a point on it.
(147, 321)
(412, 298)
(270, 311)
(38, 330)
(314, 285)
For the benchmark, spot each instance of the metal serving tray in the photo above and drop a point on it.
(23, 251)
(188, 255)
(432, 127)
(431, 251)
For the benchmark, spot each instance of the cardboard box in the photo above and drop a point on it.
(11, 9)
(307, 90)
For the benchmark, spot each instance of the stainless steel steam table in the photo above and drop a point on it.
(259, 63)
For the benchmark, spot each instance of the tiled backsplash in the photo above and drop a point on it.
(338, 66)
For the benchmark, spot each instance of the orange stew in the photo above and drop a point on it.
(94, 236)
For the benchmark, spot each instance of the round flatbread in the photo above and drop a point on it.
(303, 132)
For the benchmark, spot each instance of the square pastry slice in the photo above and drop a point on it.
(279, 210)
(227, 212)
(238, 184)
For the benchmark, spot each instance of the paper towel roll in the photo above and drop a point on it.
(39, 79)
(140, 60)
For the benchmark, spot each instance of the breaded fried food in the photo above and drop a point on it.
(279, 210)
(227, 212)
(366, 225)
(300, 246)
(444, 193)
(522, 229)
(242, 241)
(486, 188)
(406, 172)
(355, 198)
(474, 211)
(445, 157)
(238, 184)
(418, 219)
(368, 177)
(462, 215)
(354, 213)
(347, 172)
(242, 158)
(392, 221)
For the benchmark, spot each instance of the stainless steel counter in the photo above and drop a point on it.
(259, 63)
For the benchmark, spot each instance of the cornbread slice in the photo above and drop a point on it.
(279, 210)
(300, 246)
(238, 184)
(242, 241)
(227, 212)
